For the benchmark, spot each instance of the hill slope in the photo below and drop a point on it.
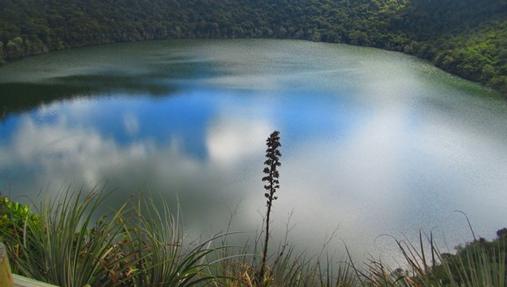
(465, 37)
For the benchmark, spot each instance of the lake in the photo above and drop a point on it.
(373, 142)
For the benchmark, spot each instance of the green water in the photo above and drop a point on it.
(374, 142)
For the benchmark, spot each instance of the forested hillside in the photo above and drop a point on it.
(465, 37)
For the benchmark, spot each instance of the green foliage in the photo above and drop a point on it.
(14, 217)
(157, 255)
(64, 246)
(480, 263)
(143, 245)
(2, 56)
(465, 37)
(67, 244)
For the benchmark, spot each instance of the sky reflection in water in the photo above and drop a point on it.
(373, 142)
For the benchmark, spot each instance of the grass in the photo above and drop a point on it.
(64, 242)
(64, 245)
(141, 244)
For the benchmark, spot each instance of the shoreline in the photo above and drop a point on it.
(113, 248)
(500, 91)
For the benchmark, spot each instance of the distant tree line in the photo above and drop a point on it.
(465, 37)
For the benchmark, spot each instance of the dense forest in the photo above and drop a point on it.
(465, 37)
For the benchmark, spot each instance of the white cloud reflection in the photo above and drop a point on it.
(231, 140)
(418, 152)
(359, 184)
(131, 124)
(63, 153)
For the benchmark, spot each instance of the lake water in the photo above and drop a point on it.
(374, 142)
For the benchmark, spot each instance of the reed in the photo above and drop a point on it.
(272, 181)
(65, 245)
(478, 264)
(141, 244)
(158, 254)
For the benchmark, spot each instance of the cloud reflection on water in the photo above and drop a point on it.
(371, 143)
(360, 178)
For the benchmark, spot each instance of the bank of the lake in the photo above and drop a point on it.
(465, 37)
(144, 244)
(373, 130)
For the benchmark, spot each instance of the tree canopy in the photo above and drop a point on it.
(465, 37)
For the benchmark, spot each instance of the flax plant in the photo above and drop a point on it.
(66, 245)
(159, 257)
(271, 179)
(478, 264)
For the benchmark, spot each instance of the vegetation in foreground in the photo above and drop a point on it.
(142, 245)
(65, 242)
(464, 37)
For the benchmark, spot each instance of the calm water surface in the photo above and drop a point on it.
(374, 142)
